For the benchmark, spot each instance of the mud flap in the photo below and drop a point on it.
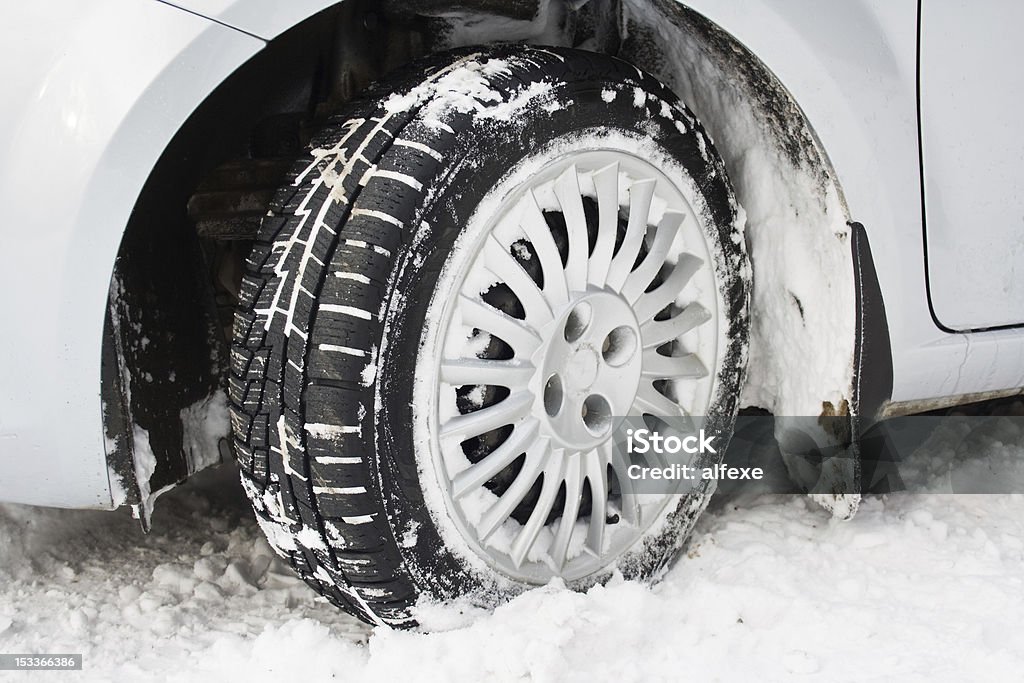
(823, 454)
(164, 368)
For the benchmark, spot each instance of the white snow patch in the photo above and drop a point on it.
(380, 215)
(552, 105)
(339, 490)
(507, 110)
(464, 87)
(118, 493)
(204, 424)
(368, 374)
(278, 535)
(410, 535)
(347, 310)
(521, 251)
(145, 465)
(403, 178)
(325, 431)
(358, 519)
(419, 146)
(310, 538)
(475, 396)
(360, 244)
(338, 460)
(347, 350)
(357, 277)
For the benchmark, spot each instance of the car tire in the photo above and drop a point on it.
(345, 384)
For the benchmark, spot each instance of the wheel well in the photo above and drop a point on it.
(176, 275)
(177, 272)
(164, 346)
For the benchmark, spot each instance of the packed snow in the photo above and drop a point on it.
(803, 320)
(914, 587)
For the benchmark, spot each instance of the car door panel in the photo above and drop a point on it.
(972, 142)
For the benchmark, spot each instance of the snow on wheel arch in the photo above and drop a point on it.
(802, 340)
(803, 308)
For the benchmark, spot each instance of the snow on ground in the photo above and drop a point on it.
(919, 587)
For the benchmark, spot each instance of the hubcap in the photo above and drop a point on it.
(586, 297)
(590, 367)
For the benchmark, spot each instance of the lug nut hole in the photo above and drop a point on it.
(619, 346)
(553, 396)
(597, 415)
(578, 321)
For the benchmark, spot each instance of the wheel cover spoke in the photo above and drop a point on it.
(629, 503)
(499, 513)
(531, 530)
(539, 234)
(640, 195)
(567, 189)
(650, 401)
(657, 366)
(658, 332)
(486, 419)
(606, 183)
(597, 476)
(573, 490)
(516, 333)
(639, 279)
(502, 373)
(652, 303)
(502, 264)
(477, 474)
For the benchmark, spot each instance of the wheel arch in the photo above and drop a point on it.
(163, 358)
(673, 42)
(165, 362)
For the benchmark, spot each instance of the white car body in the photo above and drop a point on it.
(96, 91)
